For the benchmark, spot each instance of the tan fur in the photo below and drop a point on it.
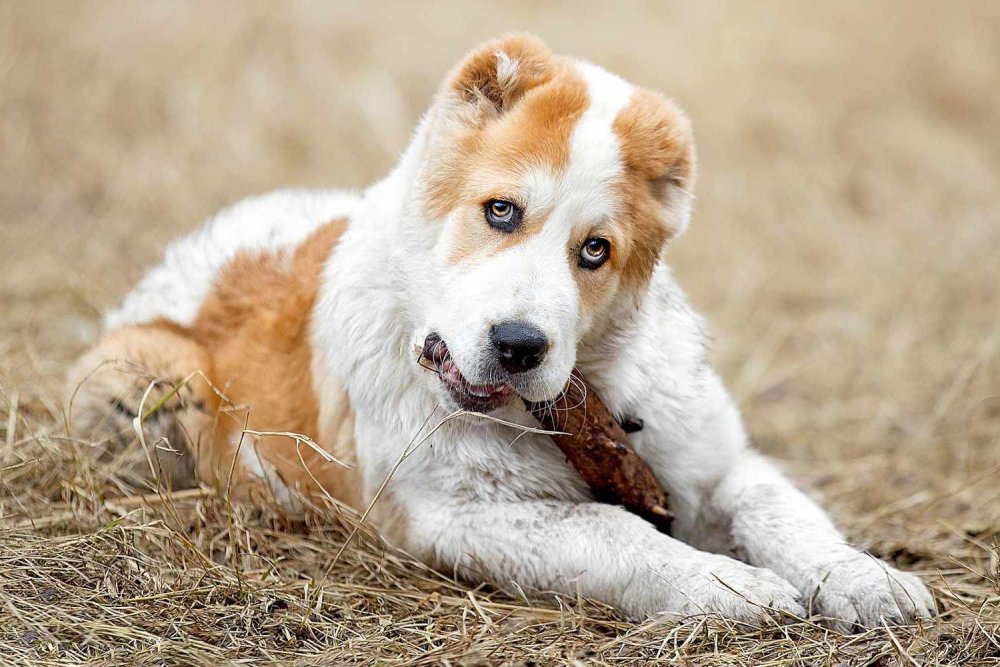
(106, 388)
(251, 340)
(487, 146)
(658, 152)
(477, 80)
(255, 324)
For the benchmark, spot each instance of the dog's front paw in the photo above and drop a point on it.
(860, 591)
(717, 585)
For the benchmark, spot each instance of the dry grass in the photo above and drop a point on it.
(846, 249)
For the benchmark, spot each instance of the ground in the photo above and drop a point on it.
(845, 249)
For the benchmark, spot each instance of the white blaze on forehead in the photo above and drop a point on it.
(595, 160)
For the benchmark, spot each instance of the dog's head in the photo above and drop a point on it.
(547, 191)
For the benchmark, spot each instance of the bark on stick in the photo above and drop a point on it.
(597, 446)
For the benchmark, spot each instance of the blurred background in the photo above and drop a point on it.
(845, 246)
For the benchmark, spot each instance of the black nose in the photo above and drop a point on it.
(520, 346)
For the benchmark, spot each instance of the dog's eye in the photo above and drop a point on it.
(594, 252)
(503, 215)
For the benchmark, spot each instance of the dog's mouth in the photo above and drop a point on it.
(473, 397)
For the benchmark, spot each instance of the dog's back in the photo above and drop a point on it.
(176, 288)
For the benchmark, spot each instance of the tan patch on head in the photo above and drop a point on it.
(535, 133)
(658, 156)
(486, 151)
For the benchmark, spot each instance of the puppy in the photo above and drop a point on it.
(523, 232)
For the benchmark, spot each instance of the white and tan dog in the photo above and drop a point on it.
(523, 232)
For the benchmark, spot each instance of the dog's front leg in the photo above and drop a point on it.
(776, 526)
(598, 550)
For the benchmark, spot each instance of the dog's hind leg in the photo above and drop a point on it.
(158, 373)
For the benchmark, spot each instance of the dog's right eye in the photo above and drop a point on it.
(503, 215)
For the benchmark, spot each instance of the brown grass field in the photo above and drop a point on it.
(845, 247)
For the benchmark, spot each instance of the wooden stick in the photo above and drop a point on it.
(597, 446)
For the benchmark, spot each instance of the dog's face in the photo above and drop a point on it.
(551, 188)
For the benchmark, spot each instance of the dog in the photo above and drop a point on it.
(524, 231)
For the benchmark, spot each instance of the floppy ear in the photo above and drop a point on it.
(658, 144)
(675, 192)
(494, 75)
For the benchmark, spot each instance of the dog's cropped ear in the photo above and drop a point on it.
(493, 76)
(658, 145)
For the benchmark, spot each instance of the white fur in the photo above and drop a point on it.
(507, 70)
(503, 505)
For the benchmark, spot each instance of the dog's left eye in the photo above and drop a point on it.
(503, 215)
(594, 252)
